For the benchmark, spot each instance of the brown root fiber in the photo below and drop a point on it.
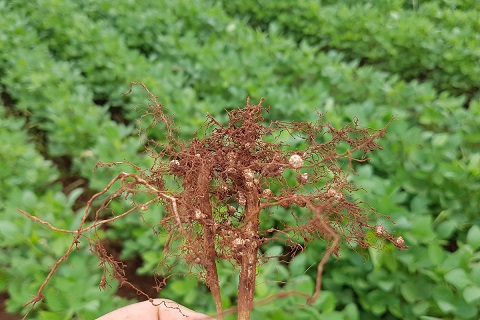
(220, 182)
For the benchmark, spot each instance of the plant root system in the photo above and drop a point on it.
(218, 187)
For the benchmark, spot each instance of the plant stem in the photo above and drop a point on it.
(212, 273)
(246, 286)
(209, 241)
(248, 272)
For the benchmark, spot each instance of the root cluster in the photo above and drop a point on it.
(216, 186)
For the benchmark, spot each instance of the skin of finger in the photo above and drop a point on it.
(170, 310)
(162, 309)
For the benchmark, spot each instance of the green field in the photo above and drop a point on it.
(65, 64)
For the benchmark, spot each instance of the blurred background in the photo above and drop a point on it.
(64, 65)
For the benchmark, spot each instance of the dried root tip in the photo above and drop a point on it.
(199, 215)
(267, 193)
(336, 195)
(231, 156)
(296, 161)
(331, 192)
(241, 199)
(380, 230)
(231, 171)
(223, 188)
(299, 201)
(302, 178)
(231, 209)
(238, 242)
(248, 174)
(287, 203)
(400, 243)
(176, 168)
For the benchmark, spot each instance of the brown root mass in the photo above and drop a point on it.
(220, 182)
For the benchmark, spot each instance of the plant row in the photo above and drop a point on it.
(65, 65)
(433, 43)
(460, 5)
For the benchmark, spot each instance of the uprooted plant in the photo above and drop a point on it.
(228, 179)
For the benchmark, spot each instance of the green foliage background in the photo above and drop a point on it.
(64, 65)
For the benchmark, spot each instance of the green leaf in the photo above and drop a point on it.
(51, 315)
(377, 300)
(29, 199)
(473, 237)
(457, 277)
(298, 265)
(351, 312)
(475, 274)
(446, 306)
(301, 284)
(188, 284)
(409, 291)
(446, 229)
(435, 253)
(73, 196)
(471, 294)
(444, 298)
(420, 308)
(465, 310)
(328, 301)
(422, 228)
(274, 251)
